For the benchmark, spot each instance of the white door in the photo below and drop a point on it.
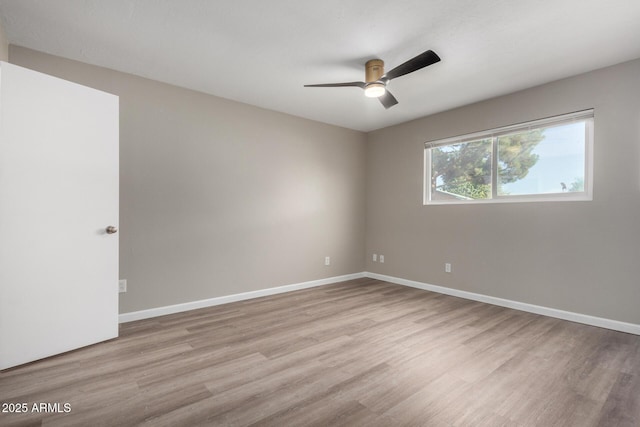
(58, 194)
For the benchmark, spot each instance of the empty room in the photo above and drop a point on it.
(250, 213)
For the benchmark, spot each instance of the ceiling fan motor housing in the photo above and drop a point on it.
(374, 69)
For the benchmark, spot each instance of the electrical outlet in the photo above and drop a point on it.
(122, 285)
(375, 257)
(327, 260)
(447, 268)
(381, 258)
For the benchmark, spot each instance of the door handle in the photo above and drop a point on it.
(111, 229)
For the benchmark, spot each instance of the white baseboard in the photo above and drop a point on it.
(615, 325)
(177, 308)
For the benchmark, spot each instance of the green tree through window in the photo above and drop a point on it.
(464, 169)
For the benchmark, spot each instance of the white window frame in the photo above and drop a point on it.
(586, 195)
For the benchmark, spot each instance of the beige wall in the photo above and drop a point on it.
(577, 256)
(219, 197)
(4, 45)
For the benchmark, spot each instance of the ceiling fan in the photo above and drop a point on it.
(375, 84)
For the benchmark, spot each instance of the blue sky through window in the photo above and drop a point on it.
(561, 160)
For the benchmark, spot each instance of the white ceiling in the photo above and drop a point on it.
(263, 52)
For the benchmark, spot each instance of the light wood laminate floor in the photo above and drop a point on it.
(358, 353)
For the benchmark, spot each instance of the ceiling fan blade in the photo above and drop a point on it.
(357, 84)
(388, 100)
(414, 64)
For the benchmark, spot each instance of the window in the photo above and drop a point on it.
(543, 160)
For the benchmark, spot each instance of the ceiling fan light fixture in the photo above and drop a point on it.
(376, 79)
(374, 90)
